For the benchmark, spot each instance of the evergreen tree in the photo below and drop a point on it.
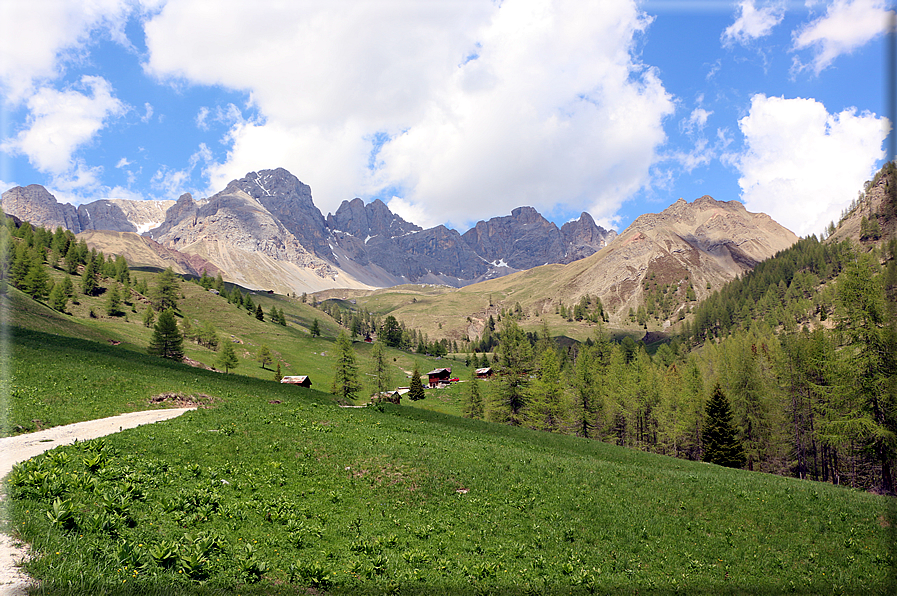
(345, 378)
(264, 356)
(315, 329)
(277, 374)
(380, 368)
(391, 332)
(721, 444)
(148, 317)
(167, 340)
(259, 313)
(416, 387)
(474, 406)
(227, 357)
(544, 410)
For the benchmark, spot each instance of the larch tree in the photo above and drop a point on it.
(264, 356)
(345, 377)
(165, 294)
(227, 357)
(380, 368)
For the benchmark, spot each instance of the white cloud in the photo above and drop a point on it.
(36, 39)
(846, 26)
(61, 121)
(695, 122)
(753, 23)
(802, 165)
(123, 163)
(201, 117)
(487, 105)
(148, 114)
(172, 183)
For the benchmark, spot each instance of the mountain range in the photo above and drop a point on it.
(263, 231)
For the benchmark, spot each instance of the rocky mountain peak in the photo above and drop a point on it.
(35, 204)
(367, 220)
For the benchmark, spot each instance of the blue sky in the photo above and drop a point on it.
(452, 112)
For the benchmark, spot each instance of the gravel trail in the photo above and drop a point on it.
(22, 447)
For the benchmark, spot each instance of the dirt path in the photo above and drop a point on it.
(22, 447)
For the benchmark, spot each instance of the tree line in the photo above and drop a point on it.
(812, 401)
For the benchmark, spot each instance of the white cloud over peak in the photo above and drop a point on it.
(802, 165)
(486, 105)
(846, 26)
(61, 121)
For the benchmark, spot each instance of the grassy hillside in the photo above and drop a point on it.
(273, 490)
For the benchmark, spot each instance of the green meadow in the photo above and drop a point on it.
(276, 489)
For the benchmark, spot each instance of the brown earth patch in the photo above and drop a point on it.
(179, 400)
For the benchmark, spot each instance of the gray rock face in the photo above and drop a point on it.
(525, 239)
(104, 215)
(288, 200)
(35, 204)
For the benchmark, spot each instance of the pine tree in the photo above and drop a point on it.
(167, 340)
(277, 374)
(721, 443)
(259, 313)
(227, 358)
(89, 282)
(315, 329)
(345, 378)
(416, 387)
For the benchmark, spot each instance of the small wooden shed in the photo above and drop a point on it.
(301, 380)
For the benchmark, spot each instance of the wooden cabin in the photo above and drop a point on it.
(439, 375)
(302, 381)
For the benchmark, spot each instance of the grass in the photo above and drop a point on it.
(399, 500)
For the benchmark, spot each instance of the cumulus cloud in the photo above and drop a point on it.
(846, 26)
(61, 121)
(64, 28)
(753, 22)
(485, 106)
(802, 165)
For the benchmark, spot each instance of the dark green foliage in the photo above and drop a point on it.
(380, 368)
(167, 340)
(89, 281)
(149, 316)
(721, 443)
(315, 330)
(259, 313)
(416, 387)
(278, 376)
